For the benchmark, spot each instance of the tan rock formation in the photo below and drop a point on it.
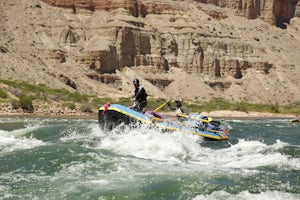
(275, 12)
(194, 49)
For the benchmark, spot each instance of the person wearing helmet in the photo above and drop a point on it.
(179, 108)
(139, 96)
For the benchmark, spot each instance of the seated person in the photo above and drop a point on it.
(179, 108)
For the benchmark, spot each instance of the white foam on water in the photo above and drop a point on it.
(245, 195)
(186, 148)
(3, 189)
(245, 155)
(91, 134)
(152, 144)
(74, 136)
(12, 140)
(141, 155)
(253, 154)
(13, 144)
(18, 132)
(109, 174)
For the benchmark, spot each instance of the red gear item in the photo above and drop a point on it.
(106, 106)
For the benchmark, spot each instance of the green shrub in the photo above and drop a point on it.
(125, 101)
(86, 108)
(275, 108)
(70, 105)
(291, 109)
(42, 92)
(219, 104)
(240, 106)
(26, 103)
(39, 91)
(3, 94)
(15, 104)
(98, 102)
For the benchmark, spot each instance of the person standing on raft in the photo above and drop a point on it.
(139, 96)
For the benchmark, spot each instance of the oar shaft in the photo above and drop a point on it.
(159, 107)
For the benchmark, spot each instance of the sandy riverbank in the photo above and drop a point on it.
(75, 115)
(214, 114)
(238, 114)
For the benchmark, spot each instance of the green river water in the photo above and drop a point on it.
(48, 158)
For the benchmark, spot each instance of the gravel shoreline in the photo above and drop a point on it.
(238, 114)
(213, 114)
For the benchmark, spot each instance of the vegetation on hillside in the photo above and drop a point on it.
(23, 94)
(222, 104)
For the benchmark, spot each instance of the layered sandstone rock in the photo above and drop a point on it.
(97, 46)
(135, 7)
(277, 12)
(131, 44)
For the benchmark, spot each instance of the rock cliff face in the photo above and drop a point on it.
(227, 48)
(275, 12)
(134, 44)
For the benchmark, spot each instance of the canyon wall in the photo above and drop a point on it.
(275, 12)
(130, 41)
(234, 49)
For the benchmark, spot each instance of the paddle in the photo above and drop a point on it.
(159, 107)
(194, 118)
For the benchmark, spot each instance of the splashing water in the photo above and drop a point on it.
(45, 158)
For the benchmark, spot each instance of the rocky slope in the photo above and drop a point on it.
(240, 50)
